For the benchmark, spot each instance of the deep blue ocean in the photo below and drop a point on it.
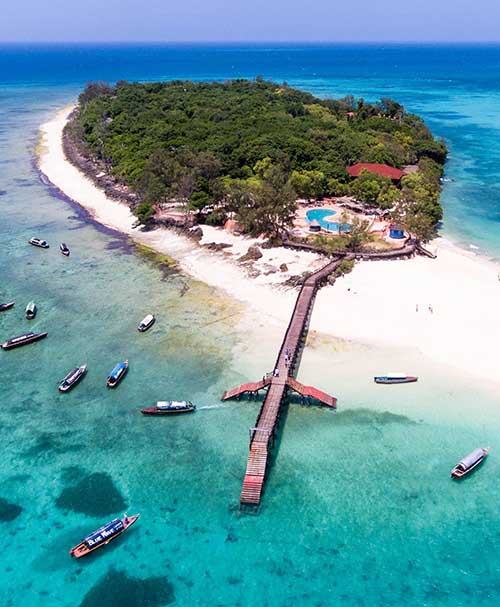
(359, 508)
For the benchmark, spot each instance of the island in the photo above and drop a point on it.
(262, 158)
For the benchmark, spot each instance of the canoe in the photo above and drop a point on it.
(38, 242)
(170, 407)
(103, 535)
(469, 462)
(7, 306)
(31, 310)
(72, 378)
(146, 323)
(22, 340)
(117, 374)
(395, 378)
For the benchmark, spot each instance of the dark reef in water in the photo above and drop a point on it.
(52, 442)
(94, 495)
(369, 417)
(8, 511)
(117, 589)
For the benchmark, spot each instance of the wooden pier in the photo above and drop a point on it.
(263, 434)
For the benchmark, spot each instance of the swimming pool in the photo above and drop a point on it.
(331, 226)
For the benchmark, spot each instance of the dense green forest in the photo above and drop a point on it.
(253, 147)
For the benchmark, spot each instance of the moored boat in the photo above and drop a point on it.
(38, 242)
(395, 378)
(469, 462)
(63, 247)
(31, 310)
(103, 535)
(21, 340)
(7, 306)
(117, 374)
(169, 407)
(72, 378)
(146, 323)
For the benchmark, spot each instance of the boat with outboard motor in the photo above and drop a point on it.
(63, 247)
(31, 310)
(72, 378)
(169, 407)
(146, 323)
(469, 462)
(21, 340)
(7, 306)
(103, 535)
(117, 374)
(38, 242)
(395, 378)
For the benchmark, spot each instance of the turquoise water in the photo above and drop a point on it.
(359, 508)
(321, 214)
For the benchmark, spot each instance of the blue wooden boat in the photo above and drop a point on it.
(117, 374)
(103, 535)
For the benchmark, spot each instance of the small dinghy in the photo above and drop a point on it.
(22, 340)
(169, 407)
(395, 378)
(73, 377)
(63, 247)
(7, 306)
(146, 323)
(31, 310)
(469, 462)
(38, 242)
(117, 374)
(103, 535)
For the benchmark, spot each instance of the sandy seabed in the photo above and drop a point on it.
(447, 308)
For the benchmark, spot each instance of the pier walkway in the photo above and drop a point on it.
(263, 434)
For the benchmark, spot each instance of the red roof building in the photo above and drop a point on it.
(384, 170)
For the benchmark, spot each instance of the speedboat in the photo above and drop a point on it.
(117, 374)
(21, 340)
(7, 306)
(103, 535)
(169, 407)
(469, 462)
(395, 378)
(146, 323)
(72, 378)
(38, 242)
(63, 247)
(31, 310)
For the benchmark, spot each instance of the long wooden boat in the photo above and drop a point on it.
(22, 340)
(395, 378)
(146, 323)
(7, 306)
(469, 462)
(31, 310)
(170, 407)
(72, 378)
(38, 242)
(117, 374)
(63, 247)
(103, 535)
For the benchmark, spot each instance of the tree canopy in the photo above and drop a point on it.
(211, 144)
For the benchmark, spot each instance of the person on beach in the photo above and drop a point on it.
(416, 307)
(430, 309)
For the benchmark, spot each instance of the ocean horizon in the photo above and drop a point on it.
(359, 508)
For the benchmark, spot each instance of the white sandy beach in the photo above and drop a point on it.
(457, 294)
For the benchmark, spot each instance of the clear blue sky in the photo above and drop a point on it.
(250, 20)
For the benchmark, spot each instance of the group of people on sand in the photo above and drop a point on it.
(429, 307)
